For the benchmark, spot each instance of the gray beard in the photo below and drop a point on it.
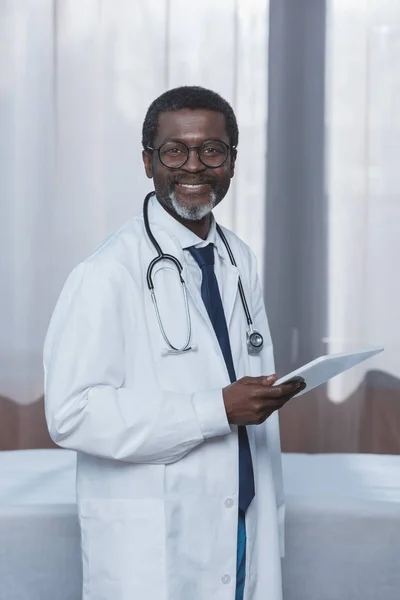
(193, 213)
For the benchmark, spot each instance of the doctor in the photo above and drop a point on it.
(171, 411)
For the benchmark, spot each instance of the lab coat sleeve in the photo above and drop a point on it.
(87, 406)
(272, 423)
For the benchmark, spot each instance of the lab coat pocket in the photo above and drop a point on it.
(121, 539)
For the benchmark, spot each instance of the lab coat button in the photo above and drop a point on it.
(225, 579)
(229, 503)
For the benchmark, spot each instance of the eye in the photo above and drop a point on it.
(213, 150)
(210, 150)
(173, 151)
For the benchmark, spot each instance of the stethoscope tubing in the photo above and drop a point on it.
(162, 256)
(178, 264)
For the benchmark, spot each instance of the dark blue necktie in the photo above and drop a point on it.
(213, 303)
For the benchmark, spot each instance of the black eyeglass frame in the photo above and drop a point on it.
(197, 148)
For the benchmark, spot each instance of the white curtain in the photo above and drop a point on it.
(333, 228)
(76, 78)
(363, 183)
(363, 187)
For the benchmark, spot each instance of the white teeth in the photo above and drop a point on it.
(190, 185)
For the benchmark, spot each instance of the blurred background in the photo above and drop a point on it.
(315, 85)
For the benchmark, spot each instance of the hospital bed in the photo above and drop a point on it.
(342, 527)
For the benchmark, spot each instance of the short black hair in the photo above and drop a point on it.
(191, 97)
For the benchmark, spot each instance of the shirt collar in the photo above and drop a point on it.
(184, 236)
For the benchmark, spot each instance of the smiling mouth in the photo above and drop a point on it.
(193, 187)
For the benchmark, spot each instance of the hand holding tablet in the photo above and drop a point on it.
(319, 371)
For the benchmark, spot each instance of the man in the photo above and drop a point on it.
(178, 472)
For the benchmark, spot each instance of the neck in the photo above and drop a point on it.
(201, 228)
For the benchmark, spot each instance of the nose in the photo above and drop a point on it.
(193, 164)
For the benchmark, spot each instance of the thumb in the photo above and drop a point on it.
(268, 380)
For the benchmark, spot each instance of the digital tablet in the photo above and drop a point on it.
(320, 370)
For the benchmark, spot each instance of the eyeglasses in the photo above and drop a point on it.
(174, 155)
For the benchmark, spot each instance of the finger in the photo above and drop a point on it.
(269, 405)
(296, 393)
(301, 387)
(261, 380)
(277, 391)
(267, 393)
(293, 387)
(247, 380)
(296, 379)
(266, 380)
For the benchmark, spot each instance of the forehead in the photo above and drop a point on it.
(192, 126)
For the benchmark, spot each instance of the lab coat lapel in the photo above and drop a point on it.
(195, 295)
(230, 276)
(230, 289)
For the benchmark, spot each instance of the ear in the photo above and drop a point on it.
(148, 167)
(233, 161)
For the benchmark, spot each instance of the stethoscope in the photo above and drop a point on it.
(254, 339)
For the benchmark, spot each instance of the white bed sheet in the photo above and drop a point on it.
(342, 534)
(342, 527)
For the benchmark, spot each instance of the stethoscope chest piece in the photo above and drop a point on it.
(255, 341)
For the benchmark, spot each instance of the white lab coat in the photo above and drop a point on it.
(157, 471)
